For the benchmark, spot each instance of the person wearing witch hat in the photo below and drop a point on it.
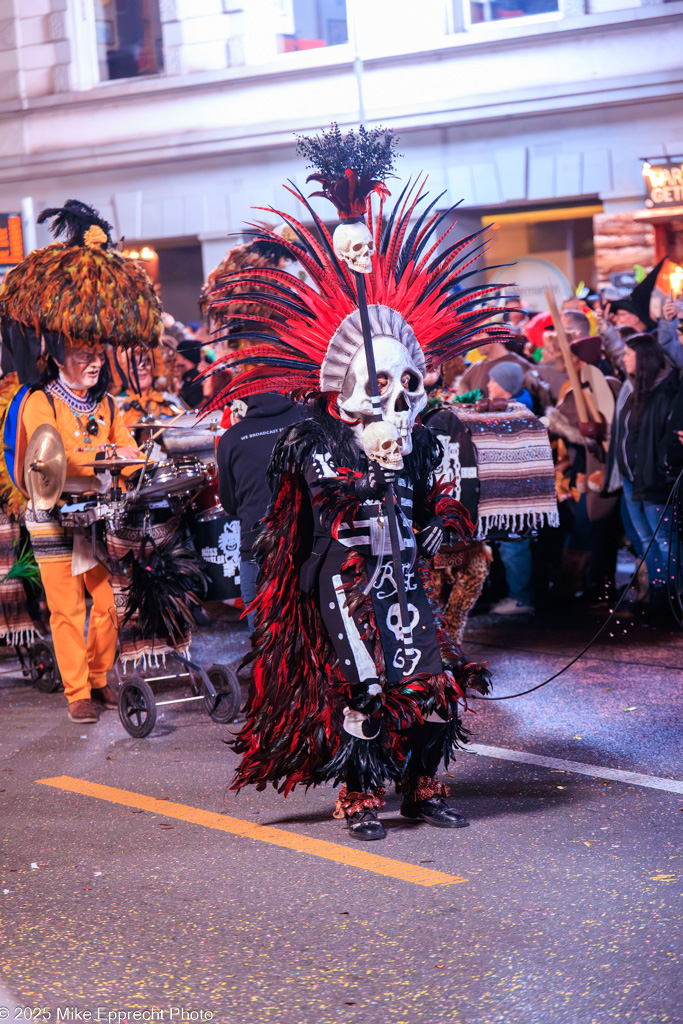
(631, 311)
(79, 295)
(356, 679)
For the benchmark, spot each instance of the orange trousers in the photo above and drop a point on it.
(83, 666)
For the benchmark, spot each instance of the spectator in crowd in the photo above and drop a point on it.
(188, 356)
(576, 323)
(589, 528)
(515, 316)
(515, 554)
(573, 303)
(551, 369)
(632, 311)
(641, 437)
(534, 333)
(669, 337)
(496, 352)
(506, 381)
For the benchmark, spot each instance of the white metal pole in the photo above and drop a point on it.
(28, 224)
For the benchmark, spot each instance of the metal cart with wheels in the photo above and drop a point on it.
(217, 686)
(38, 663)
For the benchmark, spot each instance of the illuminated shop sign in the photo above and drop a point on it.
(11, 239)
(664, 184)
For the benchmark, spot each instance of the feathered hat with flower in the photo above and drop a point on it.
(82, 289)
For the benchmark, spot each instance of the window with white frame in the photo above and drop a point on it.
(128, 36)
(478, 12)
(262, 29)
(308, 24)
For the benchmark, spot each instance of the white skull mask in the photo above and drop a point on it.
(382, 443)
(354, 245)
(403, 396)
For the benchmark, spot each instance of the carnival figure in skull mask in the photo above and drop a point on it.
(339, 694)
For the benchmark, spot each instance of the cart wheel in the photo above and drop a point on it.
(42, 667)
(137, 707)
(224, 707)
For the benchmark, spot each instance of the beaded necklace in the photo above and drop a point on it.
(79, 406)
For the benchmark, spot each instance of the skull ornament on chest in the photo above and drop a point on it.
(382, 443)
(402, 391)
(354, 245)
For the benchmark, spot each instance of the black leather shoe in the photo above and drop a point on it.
(435, 812)
(365, 825)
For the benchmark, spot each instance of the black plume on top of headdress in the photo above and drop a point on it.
(370, 152)
(73, 220)
(350, 166)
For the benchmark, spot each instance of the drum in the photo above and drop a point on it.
(217, 539)
(178, 477)
(207, 505)
(198, 438)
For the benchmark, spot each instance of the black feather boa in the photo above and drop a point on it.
(165, 584)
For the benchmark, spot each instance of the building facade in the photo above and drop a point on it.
(176, 117)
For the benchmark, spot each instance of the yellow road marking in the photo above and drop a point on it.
(263, 833)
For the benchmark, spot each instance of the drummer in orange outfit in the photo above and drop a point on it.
(79, 295)
(86, 420)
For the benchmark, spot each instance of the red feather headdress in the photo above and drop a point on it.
(425, 286)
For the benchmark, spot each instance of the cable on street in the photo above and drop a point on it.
(676, 609)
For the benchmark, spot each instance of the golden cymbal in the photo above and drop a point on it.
(45, 467)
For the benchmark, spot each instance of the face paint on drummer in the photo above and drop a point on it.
(81, 367)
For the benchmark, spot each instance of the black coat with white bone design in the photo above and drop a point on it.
(324, 635)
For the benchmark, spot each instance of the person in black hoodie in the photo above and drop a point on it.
(642, 432)
(243, 455)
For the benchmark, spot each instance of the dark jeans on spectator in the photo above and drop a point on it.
(644, 517)
(516, 557)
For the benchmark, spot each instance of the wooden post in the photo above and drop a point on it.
(579, 396)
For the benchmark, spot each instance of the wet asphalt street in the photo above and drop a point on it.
(560, 904)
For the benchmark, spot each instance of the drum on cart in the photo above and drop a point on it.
(217, 539)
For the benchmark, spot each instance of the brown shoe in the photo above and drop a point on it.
(105, 697)
(83, 711)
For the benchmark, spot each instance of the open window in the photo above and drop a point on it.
(128, 36)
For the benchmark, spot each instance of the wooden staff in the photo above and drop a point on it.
(579, 396)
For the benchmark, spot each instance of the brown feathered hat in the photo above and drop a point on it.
(82, 289)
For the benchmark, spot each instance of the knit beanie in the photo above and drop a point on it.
(509, 376)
